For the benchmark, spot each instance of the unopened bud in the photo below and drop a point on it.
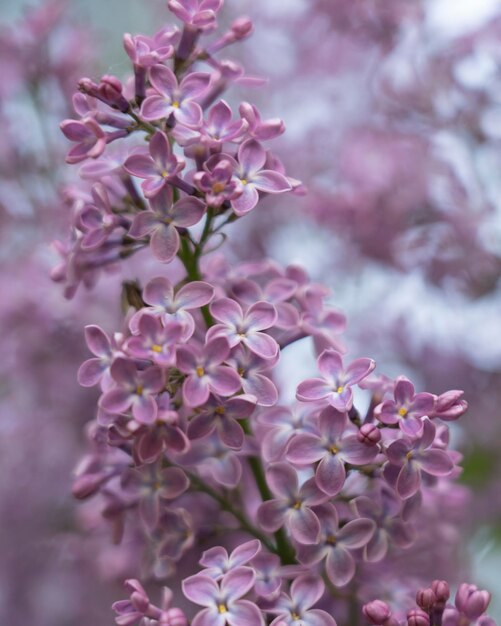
(425, 599)
(377, 612)
(417, 617)
(369, 434)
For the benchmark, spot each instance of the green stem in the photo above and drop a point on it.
(283, 549)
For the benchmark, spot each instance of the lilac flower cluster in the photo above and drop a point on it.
(189, 441)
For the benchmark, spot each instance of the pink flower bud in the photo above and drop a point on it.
(441, 590)
(369, 434)
(110, 88)
(426, 598)
(241, 27)
(175, 617)
(417, 617)
(377, 612)
(472, 601)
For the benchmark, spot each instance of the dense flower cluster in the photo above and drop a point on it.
(190, 448)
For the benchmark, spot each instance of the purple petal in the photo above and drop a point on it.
(245, 613)
(116, 401)
(313, 389)
(220, 115)
(155, 108)
(201, 590)
(237, 582)
(306, 591)
(225, 381)
(142, 224)
(260, 316)
(160, 150)
(271, 182)
(90, 372)
(174, 483)
(210, 616)
(404, 391)
(246, 201)
(201, 425)
(144, 409)
(435, 462)
(377, 547)
(163, 80)
(340, 566)
(227, 311)
(282, 480)
(331, 474)
(330, 364)
(231, 433)
(304, 525)
(261, 344)
(195, 84)
(190, 114)
(357, 533)
(317, 617)
(195, 390)
(251, 156)
(194, 295)
(245, 552)
(409, 480)
(271, 515)
(164, 242)
(358, 369)
(261, 387)
(158, 292)
(357, 453)
(140, 164)
(187, 211)
(97, 341)
(305, 449)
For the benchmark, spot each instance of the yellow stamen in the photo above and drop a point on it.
(408, 456)
(244, 181)
(139, 390)
(222, 608)
(219, 410)
(331, 540)
(402, 412)
(200, 371)
(340, 389)
(176, 104)
(241, 371)
(156, 348)
(297, 505)
(218, 187)
(333, 449)
(295, 616)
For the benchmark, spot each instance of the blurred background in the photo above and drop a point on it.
(393, 116)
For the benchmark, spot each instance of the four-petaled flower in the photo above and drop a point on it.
(175, 99)
(246, 328)
(336, 543)
(331, 449)
(205, 371)
(163, 220)
(335, 386)
(253, 178)
(407, 409)
(408, 459)
(218, 563)
(292, 506)
(223, 602)
(296, 610)
(157, 165)
(133, 389)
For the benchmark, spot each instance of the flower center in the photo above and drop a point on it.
(402, 412)
(219, 410)
(295, 616)
(340, 389)
(244, 181)
(176, 104)
(218, 187)
(297, 505)
(333, 449)
(222, 608)
(408, 456)
(200, 371)
(139, 390)
(331, 540)
(156, 348)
